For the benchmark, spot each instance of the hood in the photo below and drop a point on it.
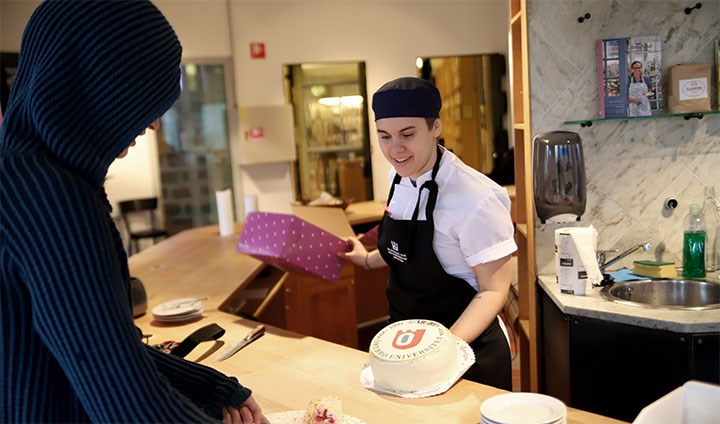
(92, 75)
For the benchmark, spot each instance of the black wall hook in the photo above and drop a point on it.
(698, 115)
(688, 10)
(581, 19)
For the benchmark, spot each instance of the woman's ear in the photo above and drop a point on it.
(437, 128)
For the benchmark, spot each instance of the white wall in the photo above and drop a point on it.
(14, 15)
(386, 35)
(136, 175)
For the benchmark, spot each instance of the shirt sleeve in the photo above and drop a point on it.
(209, 389)
(487, 232)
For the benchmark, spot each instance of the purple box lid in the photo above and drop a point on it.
(291, 244)
(371, 237)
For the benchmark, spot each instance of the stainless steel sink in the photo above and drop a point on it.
(665, 294)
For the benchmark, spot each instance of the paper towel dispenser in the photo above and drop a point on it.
(558, 176)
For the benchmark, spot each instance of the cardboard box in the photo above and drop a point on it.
(689, 88)
(305, 242)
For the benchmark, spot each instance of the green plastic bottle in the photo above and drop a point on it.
(694, 244)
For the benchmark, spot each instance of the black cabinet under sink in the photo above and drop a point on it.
(616, 369)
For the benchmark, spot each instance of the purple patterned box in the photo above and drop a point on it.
(291, 244)
(371, 237)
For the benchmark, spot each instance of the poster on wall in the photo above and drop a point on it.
(717, 71)
(629, 77)
(611, 71)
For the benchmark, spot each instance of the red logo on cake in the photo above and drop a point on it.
(405, 339)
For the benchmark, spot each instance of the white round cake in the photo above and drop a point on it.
(413, 355)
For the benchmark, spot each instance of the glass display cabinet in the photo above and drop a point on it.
(194, 148)
(331, 130)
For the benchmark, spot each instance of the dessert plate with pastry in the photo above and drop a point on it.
(325, 410)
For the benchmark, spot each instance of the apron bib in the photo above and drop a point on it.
(419, 287)
(639, 90)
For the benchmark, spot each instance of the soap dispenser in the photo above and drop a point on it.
(694, 244)
(558, 176)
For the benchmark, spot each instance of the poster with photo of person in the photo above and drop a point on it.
(645, 96)
(629, 77)
(717, 71)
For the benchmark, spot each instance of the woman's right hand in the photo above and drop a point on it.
(357, 254)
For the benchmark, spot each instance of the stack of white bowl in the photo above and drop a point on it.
(178, 310)
(523, 408)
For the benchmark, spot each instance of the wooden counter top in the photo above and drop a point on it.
(193, 263)
(365, 212)
(285, 370)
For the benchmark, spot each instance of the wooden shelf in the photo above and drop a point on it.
(525, 328)
(329, 149)
(525, 215)
(522, 229)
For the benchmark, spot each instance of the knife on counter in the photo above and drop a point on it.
(255, 334)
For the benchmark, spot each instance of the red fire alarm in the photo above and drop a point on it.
(257, 50)
(255, 134)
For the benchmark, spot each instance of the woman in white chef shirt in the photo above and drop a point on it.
(446, 235)
(638, 89)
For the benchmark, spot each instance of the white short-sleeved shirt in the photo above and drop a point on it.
(472, 216)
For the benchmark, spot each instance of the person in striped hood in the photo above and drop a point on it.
(92, 76)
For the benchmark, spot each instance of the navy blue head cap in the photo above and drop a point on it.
(407, 97)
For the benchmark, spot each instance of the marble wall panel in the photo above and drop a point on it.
(631, 166)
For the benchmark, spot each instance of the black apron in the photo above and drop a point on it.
(419, 287)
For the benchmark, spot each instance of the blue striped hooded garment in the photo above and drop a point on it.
(92, 75)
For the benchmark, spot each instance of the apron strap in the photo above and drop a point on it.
(432, 188)
(396, 180)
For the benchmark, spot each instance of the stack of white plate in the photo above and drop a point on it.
(177, 310)
(522, 408)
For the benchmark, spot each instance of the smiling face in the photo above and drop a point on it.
(637, 70)
(408, 144)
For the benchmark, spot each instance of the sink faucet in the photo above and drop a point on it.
(601, 255)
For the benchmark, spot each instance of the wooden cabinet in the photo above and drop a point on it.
(322, 309)
(617, 369)
(348, 312)
(523, 207)
(301, 303)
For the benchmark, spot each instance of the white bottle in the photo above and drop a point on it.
(711, 212)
